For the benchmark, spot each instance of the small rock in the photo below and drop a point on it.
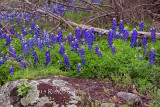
(129, 97)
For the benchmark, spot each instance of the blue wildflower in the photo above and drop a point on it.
(134, 38)
(99, 53)
(30, 43)
(125, 34)
(121, 27)
(114, 24)
(79, 68)
(153, 34)
(96, 49)
(24, 65)
(35, 57)
(11, 70)
(62, 49)
(110, 38)
(66, 60)
(77, 34)
(141, 25)
(152, 57)
(47, 54)
(144, 41)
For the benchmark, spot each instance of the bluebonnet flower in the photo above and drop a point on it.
(134, 38)
(60, 34)
(11, 70)
(46, 38)
(35, 57)
(25, 51)
(20, 58)
(24, 65)
(32, 25)
(8, 40)
(1, 61)
(1, 34)
(144, 41)
(96, 49)
(113, 49)
(47, 54)
(37, 31)
(35, 41)
(30, 31)
(145, 50)
(66, 60)
(62, 49)
(114, 24)
(82, 52)
(24, 31)
(110, 38)
(141, 25)
(99, 53)
(90, 39)
(100, 34)
(152, 57)
(121, 27)
(6, 58)
(18, 35)
(83, 33)
(76, 45)
(53, 39)
(125, 34)
(79, 68)
(140, 58)
(30, 43)
(77, 34)
(12, 30)
(12, 52)
(40, 44)
(153, 34)
(70, 38)
(57, 38)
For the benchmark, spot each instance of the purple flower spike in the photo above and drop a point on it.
(79, 68)
(141, 25)
(99, 53)
(144, 41)
(96, 49)
(134, 38)
(35, 57)
(24, 65)
(110, 38)
(11, 70)
(153, 34)
(66, 60)
(47, 53)
(152, 57)
(62, 49)
(121, 27)
(114, 24)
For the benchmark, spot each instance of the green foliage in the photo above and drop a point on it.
(23, 89)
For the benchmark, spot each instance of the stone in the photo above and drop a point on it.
(129, 97)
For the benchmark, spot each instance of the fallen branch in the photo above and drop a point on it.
(104, 31)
